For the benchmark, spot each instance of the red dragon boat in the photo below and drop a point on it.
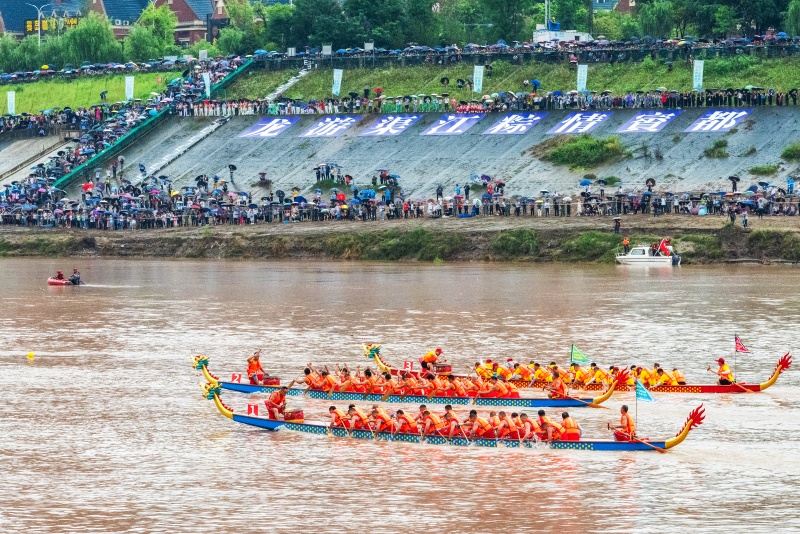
(373, 352)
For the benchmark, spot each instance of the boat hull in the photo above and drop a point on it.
(665, 261)
(311, 428)
(57, 282)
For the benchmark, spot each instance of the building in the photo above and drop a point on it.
(195, 17)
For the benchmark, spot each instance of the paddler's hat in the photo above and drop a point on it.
(721, 361)
(59, 272)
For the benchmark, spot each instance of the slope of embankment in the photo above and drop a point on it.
(676, 159)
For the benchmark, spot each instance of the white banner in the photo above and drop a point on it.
(369, 47)
(129, 87)
(12, 102)
(326, 50)
(203, 55)
(477, 79)
(583, 73)
(337, 81)
(697, 78)
(207, 81)
(291, 51)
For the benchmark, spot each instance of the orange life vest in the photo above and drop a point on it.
(525, 373)
(482, 423)
(329, 383)
(545, 420)
(512, 425)
(678, 376)
(382, 420)
(435, 420)
(502, 389)
(627, 425)
(277, 397)
(253, 368)
(408, 421)
(361, 415)
(339, 417)
(430, 357)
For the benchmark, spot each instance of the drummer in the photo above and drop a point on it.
(431, 358)
(276, 403)
(255, 372)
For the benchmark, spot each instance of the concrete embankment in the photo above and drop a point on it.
(697, 239)
(674, 158)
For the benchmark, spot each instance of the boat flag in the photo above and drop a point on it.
(739, 346)
(576, 356)
(642, 393)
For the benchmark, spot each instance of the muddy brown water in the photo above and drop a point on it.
(106, 430)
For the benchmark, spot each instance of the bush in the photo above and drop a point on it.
(612, 180)
(515, 243)
(590, 246)
(774, 243)
(717, 150)
(586, 151)
(764, 170)
(791, 152)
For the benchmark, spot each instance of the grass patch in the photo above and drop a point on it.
(256, 83)
(392, 245)
(82, 92)
(718, 149)
(764, 170)
(774, 243)
(595, 246)
(791, 152)
(612, 180)
(750, 151)
(515, 243)
(621, 78)
(698, 247)
(585, 151)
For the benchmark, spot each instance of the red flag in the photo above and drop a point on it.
(739, 346)
(663, 246)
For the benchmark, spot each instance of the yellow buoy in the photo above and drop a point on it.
(31, 356)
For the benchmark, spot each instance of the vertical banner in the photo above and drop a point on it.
(337, 81)
(583, 73)
(203, 55)
(291, 51)
(129, 87)
(12, 102)
(477, 79)
(697, 78)
(207, 82)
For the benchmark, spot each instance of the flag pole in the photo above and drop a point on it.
(736, 337)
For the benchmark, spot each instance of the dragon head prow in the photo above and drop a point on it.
(785, 362)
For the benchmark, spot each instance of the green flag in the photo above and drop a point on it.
(576, 356)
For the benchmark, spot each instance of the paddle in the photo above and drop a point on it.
(589, 404)
(293, 381)
(368, 392)
(732, 383)
(387, 394)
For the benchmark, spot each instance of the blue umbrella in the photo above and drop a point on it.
(300, 199)
(486, 196)
(585, 182)
(753, 188)
(646, 194)
(355, 201)
(763, 184)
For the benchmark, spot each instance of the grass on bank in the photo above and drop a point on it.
(791, 152)
(584, 150)
(81, 92)
(774, 244)
(718, 150)
(764, 170)
(256, 83)
(733, 72)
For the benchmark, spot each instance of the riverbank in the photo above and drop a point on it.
(699, 240)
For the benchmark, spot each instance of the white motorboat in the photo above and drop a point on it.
(644, 255)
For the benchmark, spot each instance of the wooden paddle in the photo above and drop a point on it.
(589, 404)
(368, 392)
(387, 394)
(659, 449)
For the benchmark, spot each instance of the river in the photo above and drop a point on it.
(106, 429)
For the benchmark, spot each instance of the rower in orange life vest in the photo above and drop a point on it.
(254, 371)
(329, 383)
(644, 376)
(311, 378)
(433, 424)
(276, 403)
(430, 358)
(529, 428)
(453, 428)
(572, 430)
(496, 388)
(506, 427)
(358, 419)
(600, 376)
(484, 370)
(338, 418)
(582, 376)
(453, 388)
(678, 376)
(724, 373)
(479, 427)
(405, 423)
(522, 372)
(626, 429)
(381, 421)
(393, 384)
(542, 374)
(557, 390)
(551, 428)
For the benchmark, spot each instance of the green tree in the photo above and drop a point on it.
(93, 40)
(202, 44)
(141, 44)
(791, 20)
(570, 13)
(607, 22)
(8, 47)
(507, 17)
(656, 19)
(280, 25)
(422, 26)
(320, 21)
(247, 17)
(161, 22)
(724, 21)
(230, 40)
(26, 55)
(379, 22)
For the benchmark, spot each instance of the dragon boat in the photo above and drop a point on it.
(694, 420)
(201, 363)
(373, 352)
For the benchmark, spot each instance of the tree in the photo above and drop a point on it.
(422, 26)
(724, 21)
(280, 25)
(161, 22)
(202, 44)
(570, 13)
(249, 18)
(791, 21)
(320, 21)
(8, 47)
(656, 19)
(141, 44)
(93, 40)
(380, 22)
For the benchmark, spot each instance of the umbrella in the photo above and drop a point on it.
(618, 218)
(601, 182)
(585, 182)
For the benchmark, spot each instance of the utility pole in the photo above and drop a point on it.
(39, 20)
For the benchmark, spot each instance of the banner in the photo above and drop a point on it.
(269, 127)
(739, 346)
(337, 81)
(583, 73)
(129, 87)
(390, 125)
(648, 121)
(718, 120)
(697, 77)
(576, 356)
(580, 122)
(515, 123)
(202, 55)
(642, 393)
(477, 79)
(326, 50)
(332, 126)
(207, 82)
(291, 51)
(453, 124)
(12, 102)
